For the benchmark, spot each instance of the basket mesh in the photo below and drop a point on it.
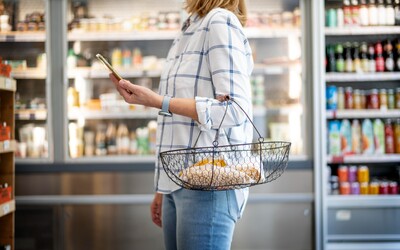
(226, 167)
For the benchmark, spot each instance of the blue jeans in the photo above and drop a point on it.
(199, 220)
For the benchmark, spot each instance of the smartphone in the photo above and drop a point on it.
(112, 70)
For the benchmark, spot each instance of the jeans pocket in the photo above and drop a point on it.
(233, 208)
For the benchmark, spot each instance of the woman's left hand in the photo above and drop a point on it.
(135, 94)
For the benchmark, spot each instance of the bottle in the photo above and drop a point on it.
(126, 58)
(137, 59)
(391, 100)
(334, 137)
(347, 13)
(133, 145)
(381, 12)
(397, 63)
(152, 126)
(389, 137)
(367, 140)
(122, 139)
(397, 135)
(397, 12)
(379, 136)
(390, 15)
(356, 58)
(356, 136)
(348, 63)
(345, 137)
(71, 59)
(398, 98)
(116, 58)
(364, 57)
(383, 103)
(101, 148)
(330, 54)
(372, 13)
(355, 12)
(363, 13)
(357, 99)
(339, 17)
(371, 58)
(348, 98)
(389, 58)
(111, 139)
(340, 98)
(339, 58)
(379, 60)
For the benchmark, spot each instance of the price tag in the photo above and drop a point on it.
(6, 145)
(6, 208)
(8, 83)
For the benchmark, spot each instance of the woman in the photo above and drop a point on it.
(211, 58)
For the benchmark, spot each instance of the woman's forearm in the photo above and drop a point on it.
(182, 106)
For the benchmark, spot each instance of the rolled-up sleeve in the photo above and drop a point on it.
(230, 64)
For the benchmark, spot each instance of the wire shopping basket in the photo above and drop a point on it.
(229, 166)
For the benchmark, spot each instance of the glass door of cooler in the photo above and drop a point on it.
(135, 38)
(23, 47)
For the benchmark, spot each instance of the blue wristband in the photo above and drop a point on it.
(165, 107)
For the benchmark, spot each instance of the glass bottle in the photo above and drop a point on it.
(111, 139)
(372, 13)
(356, 58)
(397, 12)
(397, 136)
(348, 63)
(355, 12)
(389, 58)
(381, 12)
(101, 148)
(383, 103)
(371, 58)
(364, 21)
(341, 98)
(339, 17)
(364, 57)
(348, 20)
(122, 139)
(397, 49)
(379, 60)
(390, 19)
(389, 137)
(339, 58)
(391, 102)
(331, 62)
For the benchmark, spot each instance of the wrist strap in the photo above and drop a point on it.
(165, 106)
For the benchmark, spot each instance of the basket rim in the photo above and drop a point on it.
(212, 148)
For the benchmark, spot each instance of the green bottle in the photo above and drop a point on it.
(339, 58)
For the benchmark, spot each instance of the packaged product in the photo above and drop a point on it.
(367, 137)
(356, 137)
(334, 137)
(345, 137)
(379, 136)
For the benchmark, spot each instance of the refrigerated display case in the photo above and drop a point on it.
(359, 166)
(23, 46)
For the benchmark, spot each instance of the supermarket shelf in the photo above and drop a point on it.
(363, 245)
(119, 114)
(32, 161)
(115, 159)
(31, 114)
(375, 30)
(7, 146)
(361, 201)
(7, 84)
(22, 36)
(29, 73)
(362, 77)
(277, 69)
(7, 208)
(363, 113)
(363, 158)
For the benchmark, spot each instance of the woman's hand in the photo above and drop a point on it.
(135, 94)
(155, 209)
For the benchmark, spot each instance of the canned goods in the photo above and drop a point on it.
(352, 175)
(363, 174)
(383, 104)
(393, 187)
(331, 98)
(344, 188)
(374, 188)
(343, 174)
(384, 188)
(364, 188)
(355, 188)
(348, 98)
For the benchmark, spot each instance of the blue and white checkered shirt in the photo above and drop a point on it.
(210, 57)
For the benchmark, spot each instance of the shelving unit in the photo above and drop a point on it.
(362, 113)
(349, 31)
(354, 159)
(362, 77)
(7, 165)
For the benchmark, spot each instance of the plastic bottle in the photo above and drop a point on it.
(368, 146)
(356, 137)
(334, 137)
(379, 60)
(133, 145)
(111, 139)
(356, 58)
(364, 21)
(348, 63)
(345, 137)
(381, 12)
(122, 139)
(339, 17)
(390, 14)
(372, 13)
(355, 12)
(71, 59)
(348, 19)
(364, 57)
(397, 12)
(340, 98)
(379, 136)
(152, 127)
(397, 136)
(389, 137)
(371, 58)
(339, 58)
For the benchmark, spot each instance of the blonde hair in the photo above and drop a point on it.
(202, 7)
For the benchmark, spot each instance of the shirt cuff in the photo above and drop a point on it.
(203, 107)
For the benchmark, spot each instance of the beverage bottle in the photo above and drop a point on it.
(330, 54)
(111, 139)
(339, 58)
(348, 63)
(390, 19)
(348, 19)
(341, 98)
(389, 58)
(364, 57)
(379, 60)
(397, 12)
(339, 17)
(356, 136)
(122, 139)
(355, 12)
(101, 148)
(364, 21)
(379, 136)
(368, 146)
(397, 49)
(371, 58)
(391, 100)
(116, 58)
(372, 13)
(133, 145)
(152, 126)
(356, 58)
(381, 12)
(397, 136)
(389, 137)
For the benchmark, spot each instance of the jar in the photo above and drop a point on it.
(391, 99)
(348, 98)
(373, 99)
(383, 99)
(357, 99)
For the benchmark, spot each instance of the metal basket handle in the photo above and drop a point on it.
(226, 99)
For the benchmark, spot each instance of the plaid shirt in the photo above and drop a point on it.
(210, 57)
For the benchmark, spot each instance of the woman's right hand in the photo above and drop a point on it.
(155, 209)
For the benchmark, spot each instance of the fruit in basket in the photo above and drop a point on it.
(250, 170)
(217, 162)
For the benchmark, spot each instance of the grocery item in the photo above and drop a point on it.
(331, 97)
(367, 137)
(363, 174)
(374, 188)
(344, 188)
(364, 189)
(397, 136)
(379, 136)
(343, 174)
(334, 137)
(384, 188)
(345, 137)
(393, 187)
(355, 188)
(356, 137)
(352, 175)
(389, 137)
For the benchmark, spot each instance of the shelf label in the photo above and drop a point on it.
(6, 208)
(343, 215)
